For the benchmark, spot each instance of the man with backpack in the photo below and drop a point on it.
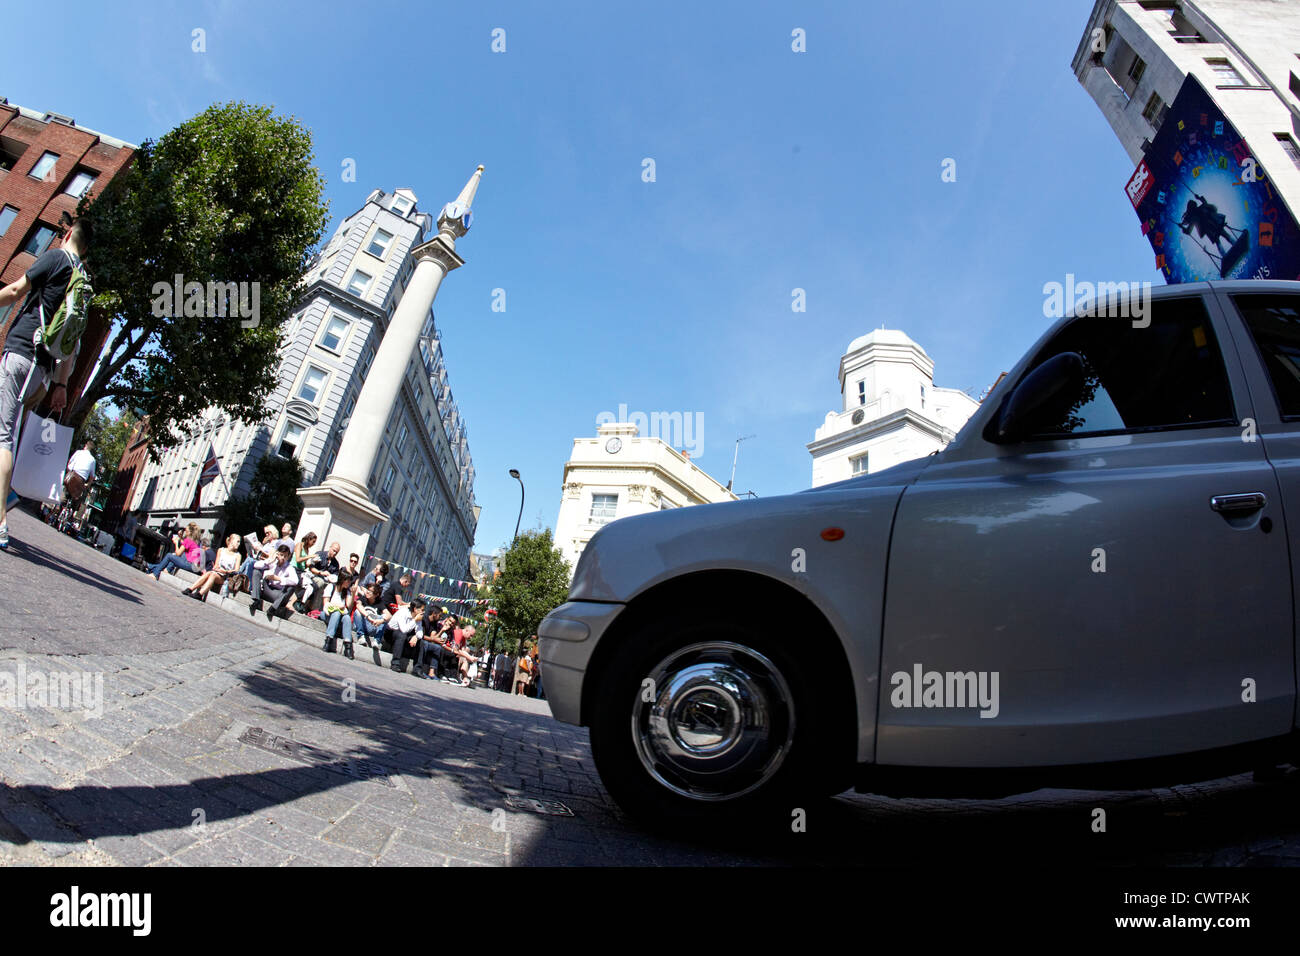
(42, 343)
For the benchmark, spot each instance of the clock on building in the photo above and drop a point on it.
(613, 445)
(857, 416)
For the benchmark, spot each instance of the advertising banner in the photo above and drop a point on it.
(1205, 202)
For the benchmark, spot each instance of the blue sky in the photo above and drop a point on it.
(775, 170)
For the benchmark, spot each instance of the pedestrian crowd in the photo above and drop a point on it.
(279, 573)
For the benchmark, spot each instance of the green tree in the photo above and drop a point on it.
(534, 581)
(108, 437)
(228, 196)
(272, 498)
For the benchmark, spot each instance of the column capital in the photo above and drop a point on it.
(439, 249)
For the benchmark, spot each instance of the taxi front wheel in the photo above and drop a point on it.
(705, 723)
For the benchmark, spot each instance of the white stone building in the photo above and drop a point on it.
(1244, 52)
(423, 476)
(891, 410)
(619, 473)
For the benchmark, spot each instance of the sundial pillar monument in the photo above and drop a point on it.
(341, 509)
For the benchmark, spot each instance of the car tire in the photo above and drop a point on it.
(715, 722)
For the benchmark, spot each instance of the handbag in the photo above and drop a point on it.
(74, 484)
(38, 466)
(235, 583)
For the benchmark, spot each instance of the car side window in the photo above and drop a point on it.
(1274, 324)
(1169, 374)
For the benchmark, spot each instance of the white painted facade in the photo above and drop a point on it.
(891, 411)
(1244, 52)
(619, 473)
(423, 477)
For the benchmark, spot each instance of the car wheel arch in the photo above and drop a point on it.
(818, 639)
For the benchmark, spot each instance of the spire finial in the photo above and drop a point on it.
(455, 219)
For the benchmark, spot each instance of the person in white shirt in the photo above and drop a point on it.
(80, 472)
(405, 625)
(277, 578)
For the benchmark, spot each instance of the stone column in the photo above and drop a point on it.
(360, 445)
(340, 509)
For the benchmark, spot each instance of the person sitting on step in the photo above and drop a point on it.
(187, 554)
(256, 551)
(338, 616)
(226, 564)
(276, 578)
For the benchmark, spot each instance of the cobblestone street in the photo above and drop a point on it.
(222, 742)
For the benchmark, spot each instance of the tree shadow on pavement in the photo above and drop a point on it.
(461, 763)
(28, 551)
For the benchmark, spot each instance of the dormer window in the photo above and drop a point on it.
(401, 205)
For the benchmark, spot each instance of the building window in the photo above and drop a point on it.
(39, 240)
(329, 460)
(388, 479)
(1225, 73)
(1154, 112)
(603, 508)
(859, 464)
(336, 332)
(923, 396)
(291, 440)
(364, 368)
(1136, 69)
(7, 216)
(360, 283)
(44, 166)
(862, 392)
(379, 245)
(80, 183)
(401, 438)
(347, 409)
(401, 205)
(312, 383)
(1289, 147)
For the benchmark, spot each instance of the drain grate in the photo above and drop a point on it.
(318, 757)
(551, 808)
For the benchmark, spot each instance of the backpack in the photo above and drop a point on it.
(61, 336)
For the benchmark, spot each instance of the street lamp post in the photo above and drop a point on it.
(735, 458)
(514, 473)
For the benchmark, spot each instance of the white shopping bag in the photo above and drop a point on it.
(42, 454)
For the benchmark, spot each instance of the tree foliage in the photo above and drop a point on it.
(534, 581)
(228, 196)
(108, 438)
(272, 498)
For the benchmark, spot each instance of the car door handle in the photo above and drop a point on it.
(1238, 504)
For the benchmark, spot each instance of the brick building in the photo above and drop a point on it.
(129, 469)
(47, 163)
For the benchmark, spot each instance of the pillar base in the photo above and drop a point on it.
(337, 513)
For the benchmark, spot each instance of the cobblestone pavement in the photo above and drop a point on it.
(220, 742)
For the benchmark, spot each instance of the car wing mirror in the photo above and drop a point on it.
(1040, 400)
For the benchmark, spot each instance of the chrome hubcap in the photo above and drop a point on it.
(713, 721)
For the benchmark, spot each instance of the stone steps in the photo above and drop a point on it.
(297, 626)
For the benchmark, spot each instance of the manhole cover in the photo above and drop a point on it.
(317, 757)
(549, 807)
